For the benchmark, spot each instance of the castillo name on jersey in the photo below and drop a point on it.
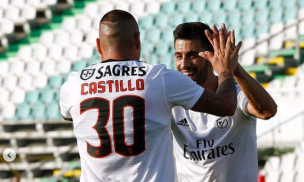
(121, 85)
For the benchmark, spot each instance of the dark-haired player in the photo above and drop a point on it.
(210, 148)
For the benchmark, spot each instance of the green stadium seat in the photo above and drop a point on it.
(161, 48)
(95, 53)
(262, 15)
(237, 29)
(142, 33)
(260, 4)
(234, 17)
(79, 65)
(94, 60)
(236, 26)
(219, 17)
(301, 3)
(167, 35)
(55, 81)
(230, 5)
(23, 111)
(153, 59)
(262, 28)
(57, 95)
(290, 13)
(39, 111)
(191, 17)
(199, 5)
(74, 165)
(276, 15)
(289, 3)
(161, 20)
(146, 49)
(47, 96)
(146, 22)
(177, 19)
(168, 7)
(206, 18)
(52, 111)
(275, 4)
(168, 60)
(247, 31)
(214, 5)
(183, 6)
(32, 96)
(244, 4)
(153, 34)
(248, 16)
(55, 180)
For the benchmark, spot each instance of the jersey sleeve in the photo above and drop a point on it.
(242, 103)
(180, 90)
(63, 102)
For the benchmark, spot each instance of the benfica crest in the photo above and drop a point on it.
(222, 123)
(87, 73)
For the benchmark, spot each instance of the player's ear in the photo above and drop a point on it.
(98, 47)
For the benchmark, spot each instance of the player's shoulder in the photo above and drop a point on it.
(160, 67)
(157, 68)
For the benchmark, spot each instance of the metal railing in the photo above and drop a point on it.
(284, 122)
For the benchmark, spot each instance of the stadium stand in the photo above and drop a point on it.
(42, 41)
(288, 167)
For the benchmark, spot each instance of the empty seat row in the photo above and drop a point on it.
(292, 176)
(19, 95)
(236, 18)
(56, 52)
(198, 5)
(21, 3)
(287, 162)
(25, 12)
(19, 19)
(39, 111)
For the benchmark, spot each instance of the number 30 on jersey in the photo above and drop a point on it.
(104, 110)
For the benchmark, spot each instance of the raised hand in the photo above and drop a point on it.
(224, 58)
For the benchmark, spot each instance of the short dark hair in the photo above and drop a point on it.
(194, 31)
(117, 16)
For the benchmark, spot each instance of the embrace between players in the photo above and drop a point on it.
(126, 135)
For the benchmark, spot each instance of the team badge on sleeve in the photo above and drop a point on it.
(87, 73)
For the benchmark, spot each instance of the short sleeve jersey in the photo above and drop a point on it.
(209, 148)
(121, 113)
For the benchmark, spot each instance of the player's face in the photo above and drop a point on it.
(189, 62)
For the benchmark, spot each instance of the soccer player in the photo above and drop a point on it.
(121, 107)
(210, 148)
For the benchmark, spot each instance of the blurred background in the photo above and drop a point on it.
(41, 41)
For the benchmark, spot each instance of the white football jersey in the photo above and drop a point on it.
(209, 148)
(121, 113)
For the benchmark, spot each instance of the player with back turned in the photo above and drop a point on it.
(121, 107)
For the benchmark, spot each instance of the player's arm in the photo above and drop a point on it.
(66, 119)
(63, 102)
(221, 103)
(260, 103)
(224, 101)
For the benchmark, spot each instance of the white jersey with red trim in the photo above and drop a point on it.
(209, 148)
(121, 114)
